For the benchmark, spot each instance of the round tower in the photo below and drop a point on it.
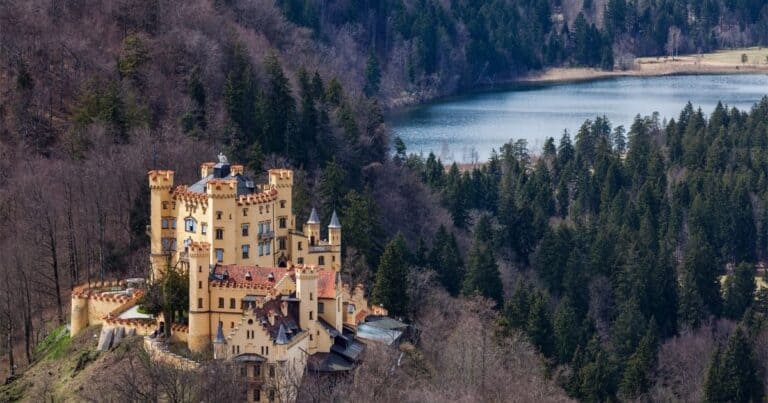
(199, 337)
(79, 320)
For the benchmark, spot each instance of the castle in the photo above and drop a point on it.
(261, 292)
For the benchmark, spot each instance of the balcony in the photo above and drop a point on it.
(266, 235)
(319, 248)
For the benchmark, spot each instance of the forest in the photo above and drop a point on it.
(619, 264)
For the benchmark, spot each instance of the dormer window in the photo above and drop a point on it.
(190, 224)
(248, 276)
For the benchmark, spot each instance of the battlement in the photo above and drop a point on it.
(222, 188)
(257, 198)
(306, 270)
(206, 168)
(160, 179)
(199, 249)
(183, 193)
(281, 178)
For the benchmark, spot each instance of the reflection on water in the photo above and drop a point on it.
(458, 128)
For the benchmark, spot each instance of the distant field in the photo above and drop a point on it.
(720, 62)
(755, 56)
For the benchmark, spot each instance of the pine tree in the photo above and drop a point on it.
(539, 325)
(739, 291)
(637, 375)
(733, 374)
(446, 261)
(691, 310)
(372, 76)
(389, 289)
(567, 331)
(482, 275)
(517, 307)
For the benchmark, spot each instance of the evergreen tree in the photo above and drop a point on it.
(372, 75)
(446, 261)
(517, 308)
(637, 378)
(733, 375)
(389, 289)
(739, 291)
(567, 331)
(482, 275)
(539, 325)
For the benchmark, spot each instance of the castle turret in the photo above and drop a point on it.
(199, 337)
(334, 230)
(219, 343)
(162, 233)
(306, 291)
(312, 228)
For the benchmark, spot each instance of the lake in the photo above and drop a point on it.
(457, 128)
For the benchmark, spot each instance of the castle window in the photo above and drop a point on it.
(168, 244)
(267, 208)
(219, 255)
(310, 315)
(333, 258)
(164, 223)
(311, 296)
(245, 212)
(243, 371)
(261, 249)
(231, 325)
(351, 308)
(321, 260)
(282, 222)
(321, 307)
(267, 350)
(199, 303)
(221, 302)
(232, 303)
(300, 260)
(219, 233)
(282, 203)
(299, 246)
(189, 224)
(199, 269)
(271, 375)
(173, 223)
(246, 250)
(238, 349)
(165, 205)
(245, 229)
(261, 209)
(200, 284)
(218, 215)
(281, 243)
(204, 228)
(257, 370)
(267, 247)
(310, 337)
(173, 205)
(261, 228)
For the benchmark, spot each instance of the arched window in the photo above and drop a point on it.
(190, 224)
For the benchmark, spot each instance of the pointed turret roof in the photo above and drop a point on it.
(219, 335)
(334, 221)
(313, 218)
(281, 338)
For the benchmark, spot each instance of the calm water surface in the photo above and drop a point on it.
(457, 128)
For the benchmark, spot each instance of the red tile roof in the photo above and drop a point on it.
(326, 283)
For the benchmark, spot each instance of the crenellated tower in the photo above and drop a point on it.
(162, 232)
(199, 337)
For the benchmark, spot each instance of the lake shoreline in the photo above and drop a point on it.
(567, 75)
(719, 62)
